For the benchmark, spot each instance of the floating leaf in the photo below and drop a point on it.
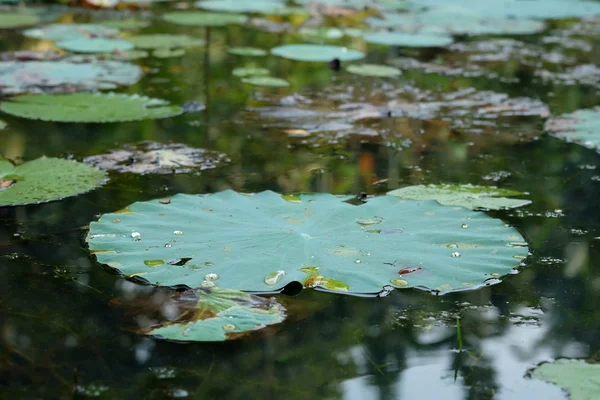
(128, 55)
(204, 18)
(30, 55)
(316, 52)
(271, 7)
(316, 239)
(247, 51)
(222, 314)
(14, 20)
(577, 377)
(89, 107)
(95, 45)
(408, 39)
(58, 76)
(168, 53)
(580, 127)
(3, 125)
(250, 71)
(468, 196)
(128, 24)
(266, 81)
(157, 158)
(45, 179)
(71, 31)
(164, 40)
(382, 71)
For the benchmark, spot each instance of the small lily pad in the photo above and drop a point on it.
(268, 81)
(222, 314)
(168, 53)
(317, 52)
(95, 45)
(45, 179)
(126, 24)
(247, 51)
(382, 71)
(157, 158)
(204, 18)
(89, 107)
(164, 40)
(580, 127)
(14, 20)
(250, 71)
(129, 55)
(468, 196)
(577, 377)
(408, 39)
(71, 32)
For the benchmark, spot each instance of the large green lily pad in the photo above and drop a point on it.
(271, 7)
(247, 51)
(581, 126)
(195, 18)
(262, 242)
(14, 20)
(375, 70)
(89, 107)
(316, 52)
(408, 39)
(469, 196)
(71, 31)
(579, 378)
(164, 40)
(45, 179)
(95, 45)
(266, 81)
(222, 314)
(56, 76)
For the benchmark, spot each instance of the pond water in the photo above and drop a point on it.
(67, 322)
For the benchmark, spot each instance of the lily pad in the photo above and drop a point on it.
(222, 314)
(168, 53)
(271, 7)
(268, 81)
(57, 76)
(89, 107)
(14, 20)
(164, 40)
(157, 158)
(204, 18)
(382, 71)
(468, 196)
(129, 55)
(45, 179)
(408, 39)
(316, 52)
(127, 24)
(250, 71)
(95, 45)
(263, 242)
(577, 377)
(580, 127)
(71, 32)
(247, 51)
(3, 125)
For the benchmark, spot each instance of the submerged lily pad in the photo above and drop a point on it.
(164, 40)
(316, 52)
(89, 107)
(157, 158)
(268, 81)
(204, 18)
(382, 71)
(581, 126)
(95, 45)
(222, 314)
(577, 377)
(247, 51)
(250, 71)
(469, 196)
(408, 39)
(264, 241)
(45, 179)
(71, 32)
(14, 20)
(41, 76)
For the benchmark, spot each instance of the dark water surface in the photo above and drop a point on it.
(59, 324)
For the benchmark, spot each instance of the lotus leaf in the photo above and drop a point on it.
(71, 31)
(382, 71)
(204, 18)
(164, 40)
(247, 51)
(250, 71)
(95, 45)
(408, 39)
(37, 76)
(272, 7)
(14, 20)
(316, 52)
(89, 107)
(580, 126)
(577, 377)
(268, 81)
(45, 179)
(222, 314)
(168, 53)
(156, 158)
(263, 242)
(468, 196)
